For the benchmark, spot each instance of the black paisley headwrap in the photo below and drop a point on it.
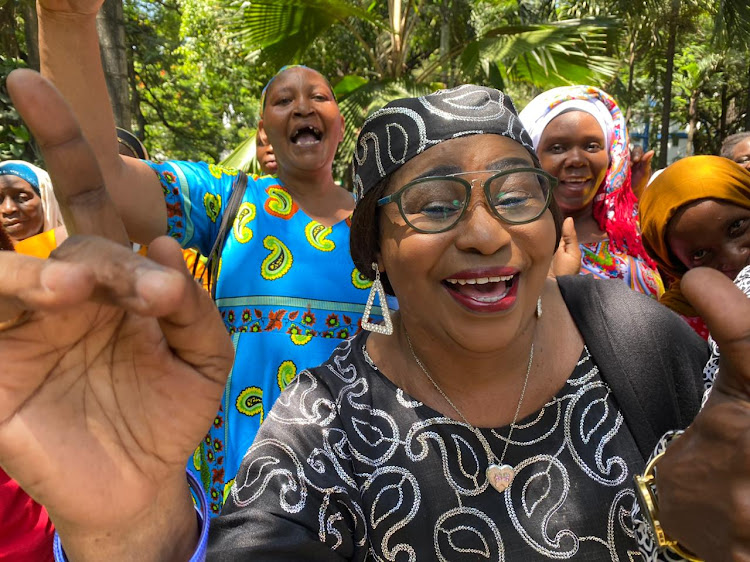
(407, 127)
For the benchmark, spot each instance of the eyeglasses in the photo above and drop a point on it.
(436, 204)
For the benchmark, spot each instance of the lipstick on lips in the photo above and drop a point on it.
(484, 290)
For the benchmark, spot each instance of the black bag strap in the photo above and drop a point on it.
(227, 220)
(650, 358)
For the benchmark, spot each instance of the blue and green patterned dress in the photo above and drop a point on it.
(287, 289)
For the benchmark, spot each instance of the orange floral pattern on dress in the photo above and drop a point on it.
(274, 320)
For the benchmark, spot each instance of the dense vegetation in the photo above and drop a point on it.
(196, 67)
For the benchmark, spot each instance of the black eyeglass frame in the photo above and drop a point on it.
(396, 196)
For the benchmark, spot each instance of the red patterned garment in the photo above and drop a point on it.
(697, 324)
(26, 531)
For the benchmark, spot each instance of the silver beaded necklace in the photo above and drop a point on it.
(498, 474)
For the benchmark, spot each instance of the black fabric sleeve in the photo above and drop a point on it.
(294, 494)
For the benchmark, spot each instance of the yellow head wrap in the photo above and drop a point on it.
(684, 182)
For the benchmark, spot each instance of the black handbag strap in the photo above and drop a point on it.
(227, 220)
(650, 358)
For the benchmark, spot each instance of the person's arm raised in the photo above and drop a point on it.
(69, 51)
(113, 365)
(703, 480)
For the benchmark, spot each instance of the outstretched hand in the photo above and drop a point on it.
(703, 480)
(116, 376)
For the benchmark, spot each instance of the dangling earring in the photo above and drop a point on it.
(377, 288)
(539, 307)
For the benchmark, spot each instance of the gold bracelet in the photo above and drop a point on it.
(19, 320)
(645, 493)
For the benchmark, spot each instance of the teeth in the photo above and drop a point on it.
(491, 299)
(310, 128)
(480, 280)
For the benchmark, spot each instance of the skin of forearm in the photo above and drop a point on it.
(167, 531)
(69, 52)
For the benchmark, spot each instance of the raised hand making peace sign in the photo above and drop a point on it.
(115, 369)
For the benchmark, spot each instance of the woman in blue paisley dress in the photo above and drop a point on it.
(499, 416)
(287, 289)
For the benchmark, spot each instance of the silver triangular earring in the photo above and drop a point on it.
(377, 288)
(539, 307)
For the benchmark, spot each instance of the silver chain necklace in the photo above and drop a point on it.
(498, 474)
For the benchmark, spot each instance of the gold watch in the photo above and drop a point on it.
(645, 493)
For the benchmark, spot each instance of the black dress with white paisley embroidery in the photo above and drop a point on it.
(348, 467)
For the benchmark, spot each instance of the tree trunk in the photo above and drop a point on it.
(445, 38)
(747, 101)
(667, 87)
(111, 26)
(8, 42)
(631, 71)
(395, 8)
(31, 30)
(135, 102)
(692, 121)
(724, 111)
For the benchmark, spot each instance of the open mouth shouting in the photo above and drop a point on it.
(487, 291)
(306, 136)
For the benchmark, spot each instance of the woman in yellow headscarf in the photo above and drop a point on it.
(696, 213)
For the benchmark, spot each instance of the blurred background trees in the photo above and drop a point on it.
(186, 75)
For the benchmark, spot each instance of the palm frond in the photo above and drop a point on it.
(284, 29)
(243, 157)
(547, 55)
(359, 97)
(568, 69)
(732, 22)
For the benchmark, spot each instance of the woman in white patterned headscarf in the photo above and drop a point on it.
(580, 136)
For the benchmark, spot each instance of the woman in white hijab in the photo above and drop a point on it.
(580, 136)
(28, 209)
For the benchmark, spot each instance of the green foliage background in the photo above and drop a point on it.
(198, 97)
(197, 67)
(15, 139)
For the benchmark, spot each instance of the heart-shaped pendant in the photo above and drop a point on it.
(500, 477)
